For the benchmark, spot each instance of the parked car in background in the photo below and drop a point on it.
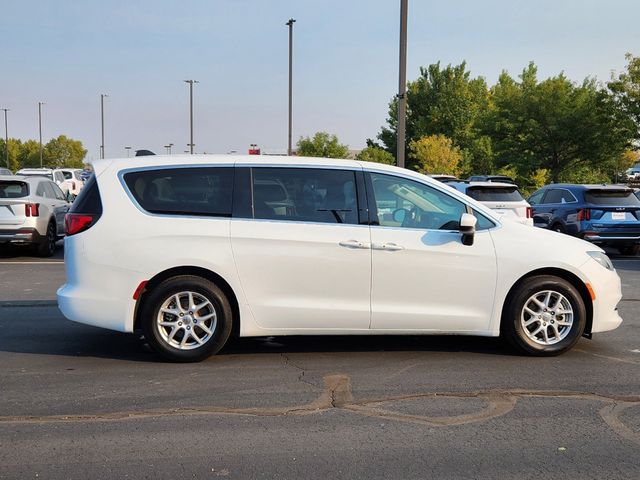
(5, 171)
(313, 246)
(55, 175)
(491, 178)
(445, 178)
(633, 174)
(504, 198)
(73, 179)
(32, 211)
(602, 214)
(85, 175)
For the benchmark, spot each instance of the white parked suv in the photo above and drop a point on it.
(73, 180)
(503, 198)
(54, 174)
(193, 249)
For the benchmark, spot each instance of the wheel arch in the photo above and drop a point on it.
(195, 271)
(565, 275)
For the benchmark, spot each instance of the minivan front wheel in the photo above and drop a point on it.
(186, 319)
(545, 316)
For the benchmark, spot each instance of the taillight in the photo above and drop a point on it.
(529, 212)
(32, 209)
(584, 214)
(78, 222)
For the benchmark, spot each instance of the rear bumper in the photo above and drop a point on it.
(20, 236)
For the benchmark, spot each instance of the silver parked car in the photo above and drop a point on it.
(32, 211)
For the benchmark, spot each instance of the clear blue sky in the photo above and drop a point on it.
(346, 62)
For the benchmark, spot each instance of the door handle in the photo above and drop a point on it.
(390, 247)
(354, 244)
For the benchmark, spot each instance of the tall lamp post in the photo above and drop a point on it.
(102, 95)
(402, 85)
(191, 82)
(290, 25)
(6, 136)
(40, 128)
(128, 149)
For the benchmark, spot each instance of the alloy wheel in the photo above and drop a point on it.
(547, 317)
(186, 320)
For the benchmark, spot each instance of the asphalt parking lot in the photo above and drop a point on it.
(81, 402)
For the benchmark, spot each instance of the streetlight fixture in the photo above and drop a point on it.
(191, 82)
(6, 136)
(290, 25)
(128, 149)
(402, 85)
(102, 95)
(40, 128)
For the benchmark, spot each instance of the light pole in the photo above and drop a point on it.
(191, 82)
(402, 85)
(40, 128)
(102, 95)
(6, 136)
(290, 25)
(128, 149)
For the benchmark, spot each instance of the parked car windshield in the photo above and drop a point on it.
(611, 197)
(493, 194)
(13, 189)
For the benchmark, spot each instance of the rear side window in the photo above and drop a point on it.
(89, 199)
(559, 195)
(305, 195)
(494, 194)
(201, 191)
(67, 175)
(611, 197)
(13, 189)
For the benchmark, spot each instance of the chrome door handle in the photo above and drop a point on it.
(390, 247)
(354, 244)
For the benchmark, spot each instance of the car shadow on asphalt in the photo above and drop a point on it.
(19, 253)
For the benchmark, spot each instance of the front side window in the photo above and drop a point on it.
(200, 191)
(305, 195)
(59, 194)
(409, 204)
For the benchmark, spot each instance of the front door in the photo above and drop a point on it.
(303, 257)
(423, 277)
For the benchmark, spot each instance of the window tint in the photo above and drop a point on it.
(611, 197)
(89, 200)
(67, 175)
(12, 189)
(48, 190)
(57, 193)
(536, 197)
(405, 203)
(559, 195)
(202, 191)
(494, 194)
(305, 195)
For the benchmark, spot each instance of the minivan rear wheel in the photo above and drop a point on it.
(186, 319)
(544, 316)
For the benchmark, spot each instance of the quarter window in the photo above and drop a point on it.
(201, 191)
(405, 203)
(305, 195)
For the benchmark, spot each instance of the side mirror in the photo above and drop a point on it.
(468, 228)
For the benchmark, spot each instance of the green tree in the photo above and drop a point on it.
(375, 154)
(555, 125)
(29, 154)
(64, 152)
(436, 154)
(322, 144)
(14, 149)
(626, 90)
(449, 102)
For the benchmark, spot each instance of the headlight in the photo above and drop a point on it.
(602, 259)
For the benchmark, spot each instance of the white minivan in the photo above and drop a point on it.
(193, 249)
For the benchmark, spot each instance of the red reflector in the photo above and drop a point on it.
(529, 212)
(77, 222)
(32, 209)
(584, 214)
(138, 291)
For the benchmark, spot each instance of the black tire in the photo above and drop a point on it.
(157, 335)
(558, 227)
(47, 246)
(629, 250)
(512, 326)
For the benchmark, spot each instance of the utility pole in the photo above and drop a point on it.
(102, 95)
(6, 137)
(191, 82)
(40, 128)
(402, 85)
(128, 149)
(290, 25)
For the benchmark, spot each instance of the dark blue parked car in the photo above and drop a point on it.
(601, 214)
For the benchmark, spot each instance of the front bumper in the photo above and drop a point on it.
(607, 287)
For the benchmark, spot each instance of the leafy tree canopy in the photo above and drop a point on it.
(322, 144)
(376, 154)
(436, 154)
(58, 152)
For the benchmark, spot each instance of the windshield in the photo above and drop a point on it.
(37, 174)
(495, 194)
(612, 197)
(13, 189)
